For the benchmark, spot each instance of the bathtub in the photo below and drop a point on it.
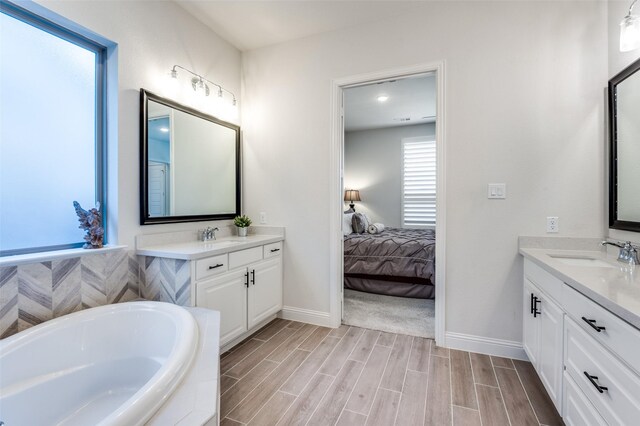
(111, 365)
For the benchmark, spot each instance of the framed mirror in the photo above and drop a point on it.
(624, 149)
(189, 164)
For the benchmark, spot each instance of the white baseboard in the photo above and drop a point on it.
(307, 316)
(485, 345)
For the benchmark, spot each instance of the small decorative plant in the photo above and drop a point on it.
(242, 221)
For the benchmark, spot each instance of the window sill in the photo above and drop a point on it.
(21, 259)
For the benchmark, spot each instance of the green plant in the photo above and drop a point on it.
(242, 221)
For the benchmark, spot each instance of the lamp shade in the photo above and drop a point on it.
(352, 195)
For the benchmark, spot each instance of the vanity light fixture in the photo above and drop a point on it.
(199, 84)
(630, 31)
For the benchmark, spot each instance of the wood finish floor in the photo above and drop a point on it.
(290, 373)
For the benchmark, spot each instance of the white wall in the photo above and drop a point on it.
(618, 61)
(373, 165)
(152, 36)
(524, 106)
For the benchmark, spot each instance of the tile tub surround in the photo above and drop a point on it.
(31, 293)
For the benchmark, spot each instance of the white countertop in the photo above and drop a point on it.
(193, 250)
(616, 288)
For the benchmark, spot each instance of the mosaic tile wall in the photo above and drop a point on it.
(165, 280)
(36, 292)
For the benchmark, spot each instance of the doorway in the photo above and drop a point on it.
(405, 210)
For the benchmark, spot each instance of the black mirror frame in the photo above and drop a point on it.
(614, 223)
(145, 96)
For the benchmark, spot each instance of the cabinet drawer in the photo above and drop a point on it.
(272, 250)
(544, 280)
(617, 335)
(211, 266)
(578, 411)
(244, 257)
(619, 404)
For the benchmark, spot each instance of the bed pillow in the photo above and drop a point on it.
(347, 219)
(359, 223)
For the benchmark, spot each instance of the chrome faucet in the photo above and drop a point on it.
(208, 233)
(628, 252)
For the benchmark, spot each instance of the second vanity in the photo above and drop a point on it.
(581, 331)
(241, 277)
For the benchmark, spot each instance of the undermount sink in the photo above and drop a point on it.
(580, 261)
(221, 243)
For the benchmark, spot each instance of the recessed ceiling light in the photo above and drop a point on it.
(164, 129)
(382, 98)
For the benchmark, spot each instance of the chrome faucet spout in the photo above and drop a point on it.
(208, 233)
(628, 252)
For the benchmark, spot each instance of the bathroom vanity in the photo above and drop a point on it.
(241, 277)
(581, 331)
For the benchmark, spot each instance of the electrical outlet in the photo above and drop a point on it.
(553, 224)
(263, 217)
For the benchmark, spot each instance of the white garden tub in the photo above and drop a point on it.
(111, 365)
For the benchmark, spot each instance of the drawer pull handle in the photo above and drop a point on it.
(246, 276)
(216, 266)
(593, 379)
(253, 277)
(531, 303)
(274, 250)
(536, 312)
(592, 324)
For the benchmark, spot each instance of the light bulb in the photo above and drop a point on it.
(630, 33)
(383, 98)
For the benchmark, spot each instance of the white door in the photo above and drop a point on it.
(550, 349)
(530, 323)
(265, 290)
(227, 294)
(158, 177)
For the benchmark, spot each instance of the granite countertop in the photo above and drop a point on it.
(193, 250)
(615, 286)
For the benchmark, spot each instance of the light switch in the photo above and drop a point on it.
(497, 191)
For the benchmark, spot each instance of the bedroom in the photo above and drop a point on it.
(390, 205)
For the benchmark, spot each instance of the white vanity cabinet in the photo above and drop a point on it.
(586, 356)
(542, 336)
(246, 290)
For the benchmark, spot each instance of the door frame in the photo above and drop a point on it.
(336, 175)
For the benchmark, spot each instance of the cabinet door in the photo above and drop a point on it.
(530, 324)
(227, 294)
(265, 289)
(550, 349)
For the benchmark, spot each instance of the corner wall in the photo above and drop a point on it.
(523, 104)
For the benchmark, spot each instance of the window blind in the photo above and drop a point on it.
(418, 183)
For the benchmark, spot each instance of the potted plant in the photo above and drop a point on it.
(242, 222)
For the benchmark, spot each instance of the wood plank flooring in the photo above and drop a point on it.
(291, 373)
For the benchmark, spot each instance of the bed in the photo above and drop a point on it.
(396, 262)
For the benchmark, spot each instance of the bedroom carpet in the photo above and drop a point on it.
(415, 317)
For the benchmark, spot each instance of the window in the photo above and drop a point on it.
(418, 183)
(51, 132)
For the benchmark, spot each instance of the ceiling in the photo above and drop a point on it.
(258, 23)
(410, 101)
